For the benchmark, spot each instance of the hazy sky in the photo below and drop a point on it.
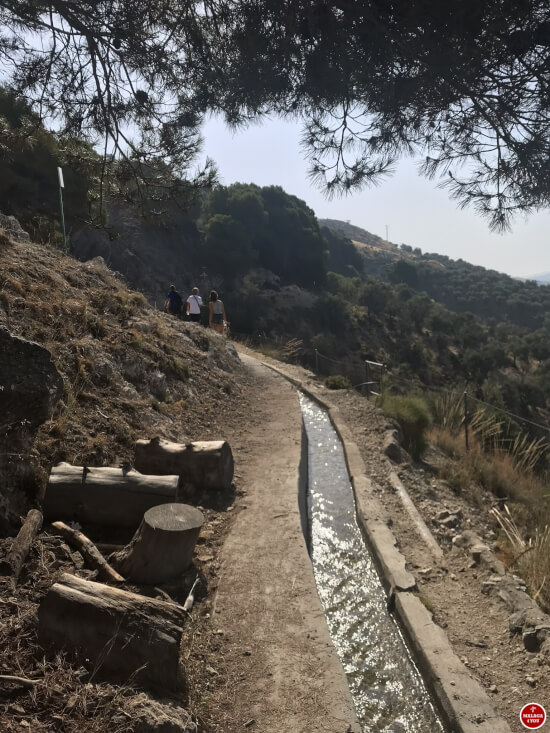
(415, 211)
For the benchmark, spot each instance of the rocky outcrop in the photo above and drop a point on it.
(30, 387)
(13, 228)
(30, 384)
(391, 447)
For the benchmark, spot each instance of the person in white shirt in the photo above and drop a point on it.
(194, 302)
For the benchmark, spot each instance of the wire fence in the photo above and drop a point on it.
(371, 378)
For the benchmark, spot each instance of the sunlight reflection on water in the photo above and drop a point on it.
(387, 690)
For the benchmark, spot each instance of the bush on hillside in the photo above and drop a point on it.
(414, 418)
(337, 381)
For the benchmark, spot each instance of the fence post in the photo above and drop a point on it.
(466, 421)
(367, 374)
(316, 362)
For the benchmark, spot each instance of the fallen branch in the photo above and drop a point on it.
(13, 562)
(22, 681)
(89, 552)
(164, 595)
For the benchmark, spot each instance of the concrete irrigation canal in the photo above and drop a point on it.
(388, 692)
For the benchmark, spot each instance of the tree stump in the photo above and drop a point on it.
(125, 636)
(106, 496)
(205, 464)
(162, 548)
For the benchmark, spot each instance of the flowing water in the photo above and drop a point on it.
(387, 690)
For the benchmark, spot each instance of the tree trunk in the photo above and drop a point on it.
(162, 548)
(89, 552)
(106, 496)
(205, 464)
(14, 560)
(126, 637)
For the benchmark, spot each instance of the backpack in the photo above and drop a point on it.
(178, 303)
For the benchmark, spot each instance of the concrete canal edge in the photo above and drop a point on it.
(462, 702)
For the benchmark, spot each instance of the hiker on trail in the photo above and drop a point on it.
(174, 302)
(194, 302)
(217, 317)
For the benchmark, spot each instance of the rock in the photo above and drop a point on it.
(493, 689)
(30, 387)
(158, 386)
(391, 447)
(544, 653)
(477, 551)
(531, 681)
(13, 228)
(450, 522)
(443, 514)
(480, 553)
(96, 262)
(533, 638)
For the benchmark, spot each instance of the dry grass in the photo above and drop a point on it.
(270, 351)
(511, 475)
(500, 473)
(531, 558)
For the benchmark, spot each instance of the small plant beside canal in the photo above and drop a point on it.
(414, 419)
(337, 381)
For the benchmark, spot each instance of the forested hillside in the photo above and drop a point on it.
(283, 275)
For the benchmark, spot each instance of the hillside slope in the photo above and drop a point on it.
(128, 372)
(128, 369)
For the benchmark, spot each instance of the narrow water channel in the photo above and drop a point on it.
(387, 690)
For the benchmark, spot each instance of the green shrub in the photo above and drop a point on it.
(337, 381)
(414, 418)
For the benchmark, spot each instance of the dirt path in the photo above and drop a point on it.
(280, 668)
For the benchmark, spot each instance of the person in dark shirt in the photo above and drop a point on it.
(174, 302)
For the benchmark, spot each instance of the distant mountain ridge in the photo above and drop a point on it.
(458, 285)
(541, 277)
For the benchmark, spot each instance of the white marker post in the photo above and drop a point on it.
(61, 187)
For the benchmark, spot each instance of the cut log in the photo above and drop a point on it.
(127, 638)
(162, 548)
(106, 496)
(13, 562)
(205, 464)
(89, 552)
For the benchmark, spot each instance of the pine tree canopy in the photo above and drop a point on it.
(463, 88)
